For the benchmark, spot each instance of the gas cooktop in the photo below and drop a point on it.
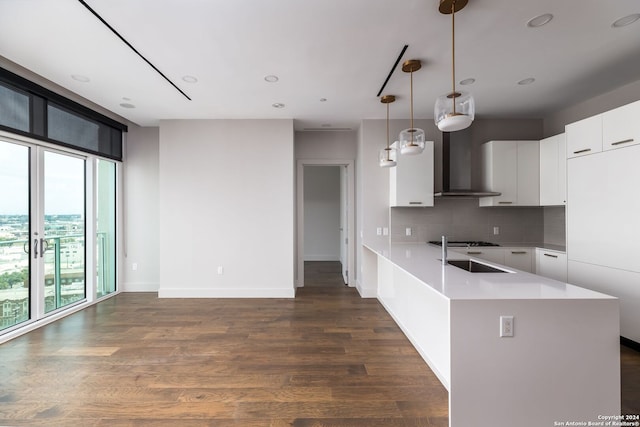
(463, 243)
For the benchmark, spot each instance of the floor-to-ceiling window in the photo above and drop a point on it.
(14, 234)
(106, 227)
(59, 165)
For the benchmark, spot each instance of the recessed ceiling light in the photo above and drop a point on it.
(526, 81)
(539, 20)
(277, 105)
(80, 78)
(124, 98)
(127, 105)
(468, 81)
(323, 99)
(626, 20)
(271, 78)
(190, 79)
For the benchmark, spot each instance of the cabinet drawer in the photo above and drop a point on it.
(551, 264)
(520, 258)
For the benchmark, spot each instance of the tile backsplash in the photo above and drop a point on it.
(463, 219)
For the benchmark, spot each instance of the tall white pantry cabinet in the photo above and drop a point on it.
(603, 209)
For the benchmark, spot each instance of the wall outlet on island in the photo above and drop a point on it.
(220, 269)
(496, 231)
(506, 326)
(134, 266)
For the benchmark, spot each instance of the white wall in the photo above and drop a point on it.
(226, 200)
(141, 228)
(322, 213)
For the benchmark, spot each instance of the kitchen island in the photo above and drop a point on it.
(561, 364)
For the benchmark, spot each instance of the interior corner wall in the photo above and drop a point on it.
(141, 242)
(226, 208)
(322, 213)
(555, 123)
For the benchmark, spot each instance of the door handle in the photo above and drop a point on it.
(44, 245)
(35, 248)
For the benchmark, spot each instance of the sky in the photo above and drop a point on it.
(64, 182)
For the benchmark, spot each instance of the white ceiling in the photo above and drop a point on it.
(341, 50)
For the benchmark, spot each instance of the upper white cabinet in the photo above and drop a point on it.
(513, 169)
(621, 126)
(584, 137)
(553, 171)
(411, 180)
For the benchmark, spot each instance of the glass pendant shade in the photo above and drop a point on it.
(450, 119)
(388, 157)
(411, 141)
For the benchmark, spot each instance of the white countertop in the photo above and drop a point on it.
(422, 261)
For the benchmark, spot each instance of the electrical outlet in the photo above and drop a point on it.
(496, 231)
(407, 231)
(379, 231)
(220, 269)
(506, 326)
(134, 266)
(385, 231)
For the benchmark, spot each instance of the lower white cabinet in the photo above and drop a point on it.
(518, 258)
(551, 264)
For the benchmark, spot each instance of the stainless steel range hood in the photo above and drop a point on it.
(456, 166)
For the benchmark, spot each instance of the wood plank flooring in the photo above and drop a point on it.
(324, 359)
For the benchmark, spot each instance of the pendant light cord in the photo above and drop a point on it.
(453, 54)
(412, 128)
(388, 147)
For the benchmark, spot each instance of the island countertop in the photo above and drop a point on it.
(423, 261)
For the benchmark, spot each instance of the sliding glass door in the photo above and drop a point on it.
(62, 248)
(15, 302)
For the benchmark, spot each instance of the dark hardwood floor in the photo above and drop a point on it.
(324, 359)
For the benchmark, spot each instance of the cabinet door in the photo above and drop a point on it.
(553, 171)
(562, 169)
(528, 192)
(621, 127)
(551, 264)
(411, 181)
(549, 172)
(520, 258)
(603, 209)
(500, 162)
(488, 254)
(584, 137)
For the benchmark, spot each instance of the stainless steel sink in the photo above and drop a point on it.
(474, 267)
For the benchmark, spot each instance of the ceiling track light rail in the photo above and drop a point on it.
(393, 69)
(82, 2)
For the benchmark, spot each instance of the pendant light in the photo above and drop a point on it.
(456, 110)
(412, 139)
(387, 155)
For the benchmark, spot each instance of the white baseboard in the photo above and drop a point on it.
(226, 293)
(326, 257)
(140, 287)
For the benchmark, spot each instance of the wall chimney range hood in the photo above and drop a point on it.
(456, 167)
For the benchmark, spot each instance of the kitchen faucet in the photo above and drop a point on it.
(444, 250)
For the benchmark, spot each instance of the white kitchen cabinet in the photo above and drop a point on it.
(551, 264)
(520, 258)
(621, 127)
(514, 257)
(603, 209)
(411, 181)
(584, 137)
(513, 169)
(553, 171)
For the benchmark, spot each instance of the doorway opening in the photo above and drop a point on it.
(325, 219)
